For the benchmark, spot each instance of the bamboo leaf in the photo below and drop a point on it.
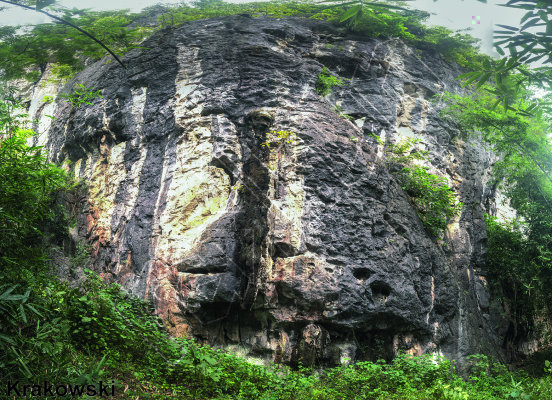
(510, 28)
(473, 78)
(487, 64)
(500, 42)
(493, 91)
(502, 32)
(531, 107)
(534, 59)
(526, 17)
(499, 50)
(466, 75)
(496, 103)
(483, 79)
(531, 23)
(351, 12)
(40, 4)
(23, 315)
(501, 64)
(526, 50)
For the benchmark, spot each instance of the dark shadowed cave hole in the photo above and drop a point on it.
(225, 164)
(361, 274)
(283, 250)
(380, 291)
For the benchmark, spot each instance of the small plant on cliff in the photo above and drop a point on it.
(434, 201)
(82, 255)
(82, 95)
(339, 111)
(281, 137)
(325, 82)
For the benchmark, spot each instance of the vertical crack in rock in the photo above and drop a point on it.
(253, 250)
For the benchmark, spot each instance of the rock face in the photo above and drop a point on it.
(299, 249)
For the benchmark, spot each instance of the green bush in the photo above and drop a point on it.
(325, 82)
(432, 198)
(81, 95)
(434, 201)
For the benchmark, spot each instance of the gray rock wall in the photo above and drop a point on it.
(305, 251)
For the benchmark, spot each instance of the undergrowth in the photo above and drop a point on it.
(98, 332)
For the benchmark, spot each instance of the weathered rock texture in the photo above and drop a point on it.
(305, 251)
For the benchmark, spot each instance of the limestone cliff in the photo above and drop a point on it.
(304, 251)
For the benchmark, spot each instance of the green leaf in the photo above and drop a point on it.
(22, 311)
(501, 64)
(351, 12)
(526, 17)
(499, 50)
(526, 50)
(473, 78)
(483, 79)
(337, 5)
(40, 4)
(7, 338)
(34, 309)
(496, 103)
(530, 24)
(510, 28)
(487, 64)
(505, 104)
(501, 42)
(466, 75)
(542, 15)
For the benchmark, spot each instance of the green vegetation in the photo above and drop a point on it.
(39, 6)
(325, 82)
(81, 95)
(62, 44)
(517, 37)
(434, 201)
(280, 136)
(520, 250)
(339, 111)
(98, 331)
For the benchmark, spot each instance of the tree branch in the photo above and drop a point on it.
(71, 25)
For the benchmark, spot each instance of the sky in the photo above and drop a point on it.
(454, 14)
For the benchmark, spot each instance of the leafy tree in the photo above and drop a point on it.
(64, 42)
(40, 4)
(355, 13)
(514, 38)
(29, 183)
(520, 251)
